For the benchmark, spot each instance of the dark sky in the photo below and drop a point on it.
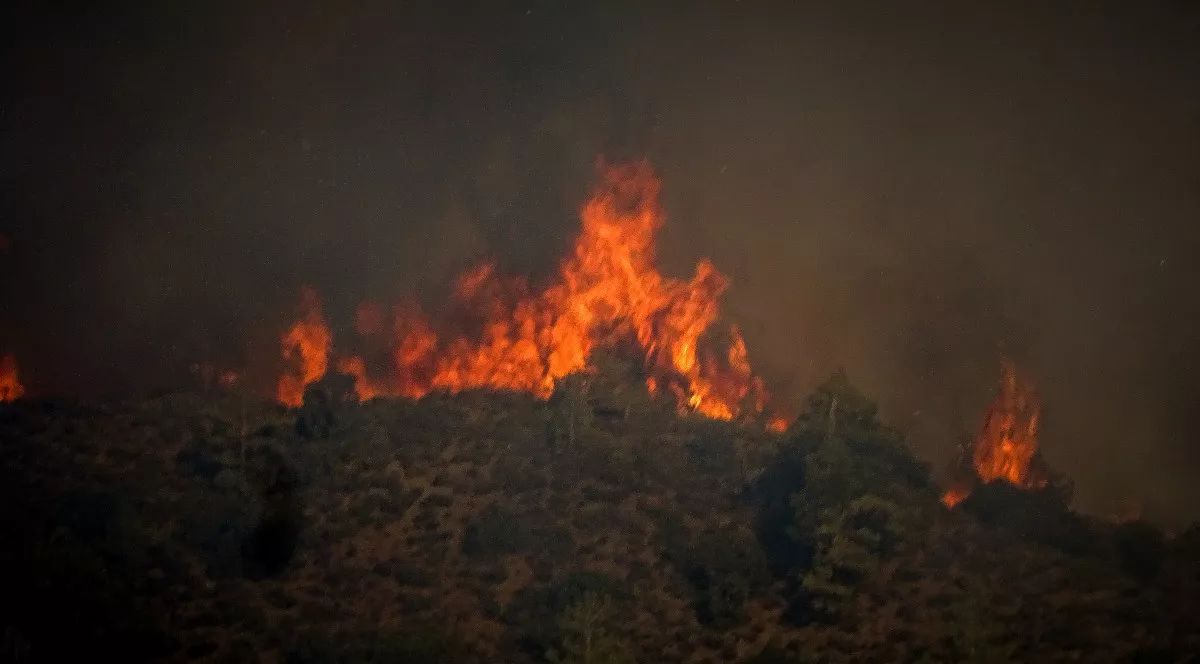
(902, 193)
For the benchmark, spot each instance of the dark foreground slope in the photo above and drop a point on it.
(492, 527)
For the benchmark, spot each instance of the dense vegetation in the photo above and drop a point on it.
(595, 527)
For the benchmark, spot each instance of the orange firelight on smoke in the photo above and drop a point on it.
(10, 384)
(508, 335)
(1007, 444)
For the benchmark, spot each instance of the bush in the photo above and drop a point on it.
(584, 634)
(62, 582)
(713, 450)
(89, 515)
(1140, 548)
(1039, 516)
(783, 478)
(725, 570)
(322, 402)
(537, 609)
(850, 546)
(772, 655)
(414, 645)
(569, 414)
(495, 533)
(838, 452)
(194, 461)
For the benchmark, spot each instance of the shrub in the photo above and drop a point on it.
(569, 414)
(1140, 548)
(713, 449)
(725, 570)
(89, 515)
(772, 655)
(585, 637)
(495, 533)
(322, 401)
(415, 645)
(850, 546)
(1039, 516)
(536, 609)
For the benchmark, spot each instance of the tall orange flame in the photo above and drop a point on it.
(308, 343)
(608, 292)
(10, 386)
(1007, 444)
(1008, 440)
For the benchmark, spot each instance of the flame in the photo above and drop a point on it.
(503, 334)
(1007, 444)
(308, 341)
(1008, 440)
(955, 496)
(10, 384)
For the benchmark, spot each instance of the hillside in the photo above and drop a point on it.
(599, 526)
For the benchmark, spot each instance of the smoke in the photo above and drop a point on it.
(904, 194)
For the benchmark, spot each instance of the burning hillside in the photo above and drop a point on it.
(10, 384)
(1007, 444)
(502, 333)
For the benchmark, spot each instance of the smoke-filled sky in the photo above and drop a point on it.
(906, 193)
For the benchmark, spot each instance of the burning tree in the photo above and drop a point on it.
(1006, 448)
(501, 333)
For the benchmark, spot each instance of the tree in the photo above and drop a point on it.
(726, 569)
(570, 413)
(851, 544)
(839, 451)
(837, 408)
(585, 637)
(618, 384)
(322, 401)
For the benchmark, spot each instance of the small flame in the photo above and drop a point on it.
(10, 384)
(955, 496)
(608, 292)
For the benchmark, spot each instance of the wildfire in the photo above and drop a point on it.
(1007, 443)
(10, 384)
(308, 341)
(501, 333)
(955, 495)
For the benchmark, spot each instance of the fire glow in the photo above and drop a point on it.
(10, 384)
(608, 292)
(1007, 444)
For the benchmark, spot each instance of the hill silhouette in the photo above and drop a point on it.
(598, 526)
